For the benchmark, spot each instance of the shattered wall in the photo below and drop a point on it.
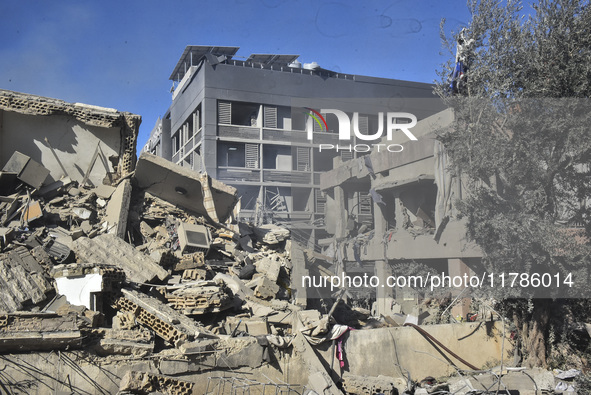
(73, 130)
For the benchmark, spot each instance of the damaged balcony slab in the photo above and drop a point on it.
(182, 187)
(24, 331)
(111, 249)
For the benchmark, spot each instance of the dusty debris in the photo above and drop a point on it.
(142, 268)
(27, 331)
(367, 385)
(138, 267)
(198, 298)
(183, 187)
(146, 383)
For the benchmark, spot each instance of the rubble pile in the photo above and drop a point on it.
(117, 270)
(152, 285)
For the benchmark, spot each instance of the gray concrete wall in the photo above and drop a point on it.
(73, 141)
(374, 352)
(280, 88)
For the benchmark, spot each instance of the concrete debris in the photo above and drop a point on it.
(182, 187)
(137, 342)
(26, 169)
(146, 383)
(24, 331)
(118, 209)
(22, 283)
(111, 249)
(138, 275)
(198, 298)
(271, 234)
(367, 385)
(163, 320)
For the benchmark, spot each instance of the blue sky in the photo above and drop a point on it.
(120, 54)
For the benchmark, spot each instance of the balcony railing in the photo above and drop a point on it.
(238, 174)
(294, 177)
(293, 136)
(241, 132)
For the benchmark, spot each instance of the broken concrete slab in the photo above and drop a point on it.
(266, 288)
(298, 264)
(145, 383)
(252, 326)
(27, 170)
(118, 209)
(270, 266)
(271, 233)
(136, 342)
(104, 191)
(198, 298)
(165, 321)
(182, 187)
(374, 385)
(18, 286)
(198, 347)
(319, 380)
(24, 331)
(239, 352)
(111, 249)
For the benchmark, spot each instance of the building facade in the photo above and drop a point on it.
(245, 122)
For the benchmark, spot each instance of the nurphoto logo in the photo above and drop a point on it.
(346, 127)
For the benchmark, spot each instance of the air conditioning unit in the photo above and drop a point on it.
(194, 238)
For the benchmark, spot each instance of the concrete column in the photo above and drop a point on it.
(341, 217)
(384, 295)
(209, 147)
(398, 212)
(457, 267)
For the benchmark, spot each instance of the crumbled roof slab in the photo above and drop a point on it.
(111, 249)
(19, 285)
(182, 187)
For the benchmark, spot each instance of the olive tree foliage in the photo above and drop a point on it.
(521, 142)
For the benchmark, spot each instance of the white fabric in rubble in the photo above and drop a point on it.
(334, 333)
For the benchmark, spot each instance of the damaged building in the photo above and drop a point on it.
(120, 276)
(413, 219)
(244, 121)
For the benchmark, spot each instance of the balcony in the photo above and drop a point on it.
(292, 177)
(239, 132)
(238, 174)
(288, 136)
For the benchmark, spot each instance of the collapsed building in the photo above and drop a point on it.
(413, 217)
(120, 276)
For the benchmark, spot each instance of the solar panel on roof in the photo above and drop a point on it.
(193, 53)
(270, 59)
